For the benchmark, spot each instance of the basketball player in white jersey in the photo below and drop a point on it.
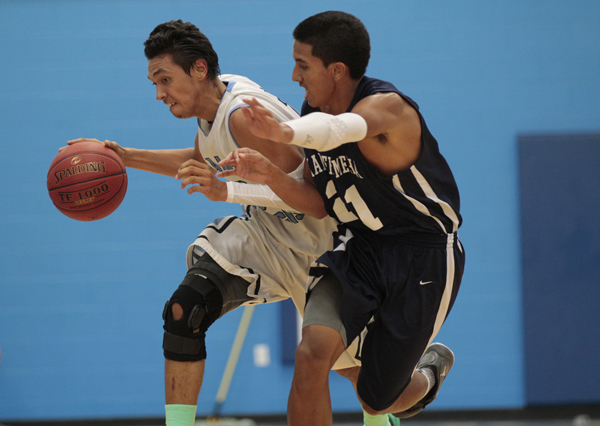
(279, 243)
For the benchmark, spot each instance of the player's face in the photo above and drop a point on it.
(174, 86)
(312, 75)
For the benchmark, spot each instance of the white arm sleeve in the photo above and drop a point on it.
(255, 195)
(324, 132)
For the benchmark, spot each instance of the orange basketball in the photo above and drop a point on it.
(87, 181)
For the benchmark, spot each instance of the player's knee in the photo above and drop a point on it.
(315, 354)
(302, 355)
(194, 306)
(176, 311)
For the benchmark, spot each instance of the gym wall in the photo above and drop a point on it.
(81, 303)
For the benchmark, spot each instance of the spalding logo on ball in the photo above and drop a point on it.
(87, 181)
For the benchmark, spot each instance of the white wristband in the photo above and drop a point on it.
(255, 195)
(324, 132)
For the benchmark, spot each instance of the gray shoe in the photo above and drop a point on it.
(439, 359)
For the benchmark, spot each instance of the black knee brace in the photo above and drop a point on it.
(201, 301)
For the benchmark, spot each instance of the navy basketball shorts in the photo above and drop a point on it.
(401, 290)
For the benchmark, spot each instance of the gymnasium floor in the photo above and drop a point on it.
(576, 421)
(587, 415)
(593, 422)
(581, 421)
(590, 422)
(547, 416)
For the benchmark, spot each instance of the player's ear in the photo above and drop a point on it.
(200, 69)
(338, 70)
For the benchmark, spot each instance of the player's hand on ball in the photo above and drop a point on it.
(79, 140)
(110, 144)
(201, 178)
(87, 180)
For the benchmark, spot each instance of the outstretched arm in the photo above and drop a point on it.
(263, 124)
(317, 130)
(163, 161)
(385, 126)
(299, 194)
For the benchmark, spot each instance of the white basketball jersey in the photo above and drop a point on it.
(271, 248)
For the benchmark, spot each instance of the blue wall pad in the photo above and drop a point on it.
(560, 235)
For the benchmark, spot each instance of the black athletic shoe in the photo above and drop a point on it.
(439, 359)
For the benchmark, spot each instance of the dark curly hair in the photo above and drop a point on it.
(185, 43)
(337, 37)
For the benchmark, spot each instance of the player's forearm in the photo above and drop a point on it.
(324, 132)
(164, 161)
(255, 195)
(299, 194)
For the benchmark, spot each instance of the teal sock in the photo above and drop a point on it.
(180, 415)
(376, 420)
(394, 421)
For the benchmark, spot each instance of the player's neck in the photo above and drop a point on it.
(210, 103)
(341, 98)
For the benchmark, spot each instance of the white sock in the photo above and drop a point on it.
(428, 373)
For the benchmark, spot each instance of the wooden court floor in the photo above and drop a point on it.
(582, 415)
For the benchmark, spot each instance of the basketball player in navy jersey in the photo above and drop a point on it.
(397, 263)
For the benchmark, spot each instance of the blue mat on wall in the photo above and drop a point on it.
(560, 242)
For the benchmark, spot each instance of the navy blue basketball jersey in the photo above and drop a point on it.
(421, 199)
